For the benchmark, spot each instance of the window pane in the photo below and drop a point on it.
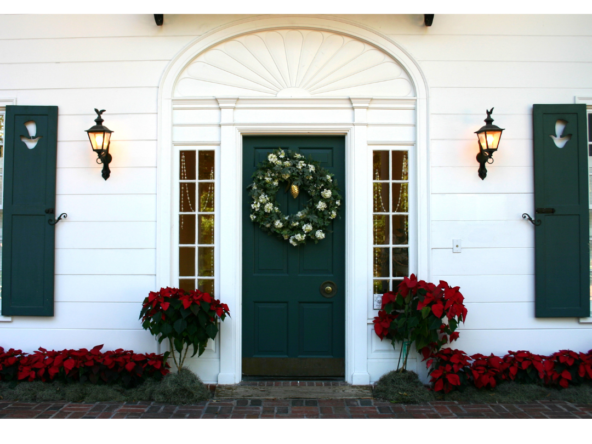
(400, 230)
(206, 229)
(381, 230)
(187, 284)
(206, 165)
(380, 167)
(186, 261)
(187, 198)
(206, 285)
(381, 262)
(400, 198)
(187, 162)
(205, 260)
(206, 197)
(380, 287)
(380, 196)
(400, 169)
(187, 229)
(400, 262)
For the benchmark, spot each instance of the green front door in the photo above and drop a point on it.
(290, 328)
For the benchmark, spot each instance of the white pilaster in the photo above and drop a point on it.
(230, 244)
(358, 238)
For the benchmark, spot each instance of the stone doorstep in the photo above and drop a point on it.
(293, 392)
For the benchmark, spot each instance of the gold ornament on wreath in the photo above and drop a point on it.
(299, 174)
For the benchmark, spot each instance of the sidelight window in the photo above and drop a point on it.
(390, 218)
(197, 213)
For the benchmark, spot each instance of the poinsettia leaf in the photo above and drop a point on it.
(178, 345)
(425, 311)
(203, 319)
(194, 308)
(180, 325)
(212, 330)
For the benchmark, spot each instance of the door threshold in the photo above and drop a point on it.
(290, 379)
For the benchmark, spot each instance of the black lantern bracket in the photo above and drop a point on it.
(485, 155)
(103, 156)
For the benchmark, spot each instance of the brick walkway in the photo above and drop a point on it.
(285, 408)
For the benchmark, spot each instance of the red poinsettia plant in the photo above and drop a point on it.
(185, 319)
(450, 369)
(422, 313)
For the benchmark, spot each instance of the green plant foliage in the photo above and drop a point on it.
(185, 319)
(175, 388)
(402, 388)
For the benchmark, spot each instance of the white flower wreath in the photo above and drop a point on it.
(308, 175)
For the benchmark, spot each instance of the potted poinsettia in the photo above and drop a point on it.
(422, 313)
(185, 319)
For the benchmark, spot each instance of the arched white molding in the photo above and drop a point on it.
(231, 143)
(294, 63)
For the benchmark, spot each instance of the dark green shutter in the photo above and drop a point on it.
(29, 202)
(562, 253)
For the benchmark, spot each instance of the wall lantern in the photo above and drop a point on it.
(489, 138)
(100, 138)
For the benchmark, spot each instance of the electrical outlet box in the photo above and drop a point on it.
(456, 245)
(377, 301)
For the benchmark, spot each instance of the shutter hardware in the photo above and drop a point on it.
(54, 222)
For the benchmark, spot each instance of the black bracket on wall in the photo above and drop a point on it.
(159, 19)
(531, 220)
(428, 19)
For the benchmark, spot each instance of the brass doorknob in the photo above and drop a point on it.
(328, 289)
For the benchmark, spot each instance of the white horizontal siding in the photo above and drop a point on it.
(83, 316)
(108, 208)
(126, 154)
(124, 126)
(498, 75)
(481, 206)
(514, 316)
(483, 262)
(465, 180)
(497, 48)
(161, 48)
(105, 261)
(492, 288)
(462, 153)
(463, 126)
(100, 288)
(122, 181)
(81, 75)
(83, 101)
(108, 25)
(483, 234)
(107, 235)
(506, 99)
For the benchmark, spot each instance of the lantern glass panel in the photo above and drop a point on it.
(493, 139)
(99, 140)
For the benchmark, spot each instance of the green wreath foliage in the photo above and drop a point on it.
(313, 221)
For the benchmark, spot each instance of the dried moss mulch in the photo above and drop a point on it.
(175, 388)
(406, 388)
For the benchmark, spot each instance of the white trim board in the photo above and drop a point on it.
(3, 103)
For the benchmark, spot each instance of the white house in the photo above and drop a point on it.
(392, 102)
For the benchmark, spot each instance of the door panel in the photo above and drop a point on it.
(289, 327)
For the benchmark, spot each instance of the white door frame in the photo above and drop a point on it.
(358, 189)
